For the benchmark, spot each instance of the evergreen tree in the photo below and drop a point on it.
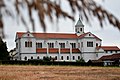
(3, 50)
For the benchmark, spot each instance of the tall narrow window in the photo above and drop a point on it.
(30, 44)
(62, 45)
(51, 45)
(81, 44)
(26, 44)
(67, 57)
(80, 29)
(61, 57)
(73, 45)
(73, 57)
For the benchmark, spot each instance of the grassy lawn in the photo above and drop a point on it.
(16, 72)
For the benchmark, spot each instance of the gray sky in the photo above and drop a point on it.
(110, 35)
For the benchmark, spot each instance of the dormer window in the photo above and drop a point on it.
(28, 35)
(89, 34)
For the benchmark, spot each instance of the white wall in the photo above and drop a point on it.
(89, 56)
(35, 55)
(24, 49)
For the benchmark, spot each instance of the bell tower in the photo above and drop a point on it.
(79, 27)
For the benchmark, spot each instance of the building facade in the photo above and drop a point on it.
(61, 46)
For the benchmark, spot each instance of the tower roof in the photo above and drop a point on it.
(79, 23)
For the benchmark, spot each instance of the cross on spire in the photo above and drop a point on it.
(80, 17)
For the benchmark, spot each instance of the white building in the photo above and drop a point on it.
(62, 46)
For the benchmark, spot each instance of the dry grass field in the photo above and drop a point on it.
(16, 72)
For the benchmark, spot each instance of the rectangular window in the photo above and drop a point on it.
(28, 44)
(39, 45)
(62, 45)
(89, 44)
(96, 44)
(50, 45)
(73, 45)
(80, 29)
(55, 57)
(25, 44)
(67, 57)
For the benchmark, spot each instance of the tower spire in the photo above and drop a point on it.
(79, 17)
(79, 27)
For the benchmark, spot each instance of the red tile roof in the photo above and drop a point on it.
(65, 50)
(56, 50)
(109, 48)
(41, 50)
(110, 57)
(56, 35)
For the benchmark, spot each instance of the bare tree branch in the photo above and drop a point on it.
(52, 7)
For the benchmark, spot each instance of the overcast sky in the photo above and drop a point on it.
(110, 35)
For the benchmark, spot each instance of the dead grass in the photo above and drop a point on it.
(16, 72)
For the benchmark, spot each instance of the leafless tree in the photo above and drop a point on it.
(52, 8)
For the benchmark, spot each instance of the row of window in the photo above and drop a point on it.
(110, 51)
(62, 45)
(78, 29)
(50, 45)
(28, 44)
(38, 45)
(62, 57)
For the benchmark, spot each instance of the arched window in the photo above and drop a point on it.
(25, 58)
(61, 57)
(55, 57)
(28, 43)
(38, 57)
(73, 57)
(25, 44)
(31, 57)
(67, 57)
(80, 29)
(78, 57)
